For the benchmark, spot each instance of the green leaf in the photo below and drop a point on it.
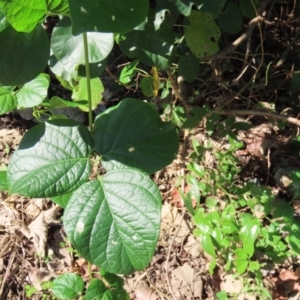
(202, 34)
(128, 71)
(52, 159)
(114, 280)
(62, 8)
(21, 59)
(294, 241)
(80, 92)
(207, 244)
(248, 235)
(132, 135)
(213, 7)
(202, 223)
(188, 67)
(69, 49)
(229, 227)
(62, 200)
(114, 223)
(149, 46)
(67, 286)
(96, 69)
(8, 100)
(222, 295)
(247, 8)
(96, 290)
(241, 261)
(24, 15)
(147, 86)
(231, 20)
(34, 92)
(116, 16)
(56, 102)
(3, 180)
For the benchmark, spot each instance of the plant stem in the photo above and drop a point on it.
(88, 79)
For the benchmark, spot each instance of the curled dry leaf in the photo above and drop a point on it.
(37, 230)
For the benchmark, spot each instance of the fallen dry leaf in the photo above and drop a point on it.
(37, 230)
(286, 275)
(145, 293)
(186, 281)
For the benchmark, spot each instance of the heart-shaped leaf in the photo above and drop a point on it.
(114, 223)
(24, 15)
(69, 49)
(34, 92)
(67, 286)
(116, 16)
(52, 159)
(132, 135)
(20, 58)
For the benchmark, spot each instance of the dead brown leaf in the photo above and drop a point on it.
(37, 276)
(145, 293)
(186, 281)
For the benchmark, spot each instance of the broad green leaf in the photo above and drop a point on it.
(3, 21)
(231, 20)
(114, 222)
(3, 180)
(229, 227)
(116, 16)
(202, 34)
(222, 296)
(52, 159)
(62, 200)
(67, 286)
(96, 290)
(241, 261)
(213, 7)
(62, 8)
(202, 223)
(24, 15)
(34, 92)
(113, 280)
(56, 102)
(248, 235)
(294, 241)
(96, 69)
(132, 135)
(127, 72)
(246, 7)
(53, 4)
(69, 49)
(150, 47)
(147, 86)
(21, 59)
(207, 244)
(188, 67)
(80, 92)
(8, 100)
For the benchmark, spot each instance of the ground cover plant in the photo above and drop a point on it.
(98, 172)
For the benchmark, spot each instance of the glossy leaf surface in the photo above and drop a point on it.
(114, 222)
(132, 135)
(52, 159)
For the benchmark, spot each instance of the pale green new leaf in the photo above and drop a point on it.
(34, 92)
(80, 92)
(21, 59)
(116, 16)
(132, 135)
(69, 49)
(114, 222)
(52, 159)
(24, 15)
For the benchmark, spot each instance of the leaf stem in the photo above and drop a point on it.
(88, 79)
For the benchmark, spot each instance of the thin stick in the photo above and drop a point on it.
(271, 115)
